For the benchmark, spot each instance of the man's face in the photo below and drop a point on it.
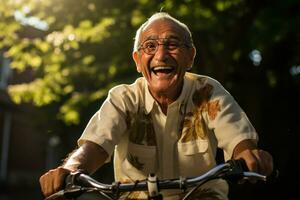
(164, 68)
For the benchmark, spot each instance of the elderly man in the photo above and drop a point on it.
(169, 122)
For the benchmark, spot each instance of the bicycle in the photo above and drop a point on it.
(78, 182)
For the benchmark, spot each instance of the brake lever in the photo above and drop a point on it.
(71, 189)
(237, 170)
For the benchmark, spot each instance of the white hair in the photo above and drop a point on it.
(158, 16)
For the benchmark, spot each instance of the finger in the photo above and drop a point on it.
(251, 160)
(266, 162)
(46, 184)
(261, 164)
(50, 182)
(270, 164)
(59, 179)
(41, 180)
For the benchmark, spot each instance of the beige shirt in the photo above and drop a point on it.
(131, 124)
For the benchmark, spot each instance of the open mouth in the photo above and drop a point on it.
(162, 69)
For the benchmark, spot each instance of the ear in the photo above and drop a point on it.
(191, 58)
(135, 56)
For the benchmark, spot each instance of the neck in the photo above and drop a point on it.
(164, 99)
(164, 102)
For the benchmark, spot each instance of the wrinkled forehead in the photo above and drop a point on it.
(163, 28)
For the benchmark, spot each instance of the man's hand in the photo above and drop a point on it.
(89, 157)
(53, 180)
(257, 160)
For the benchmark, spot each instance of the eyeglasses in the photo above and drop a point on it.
(150, 46)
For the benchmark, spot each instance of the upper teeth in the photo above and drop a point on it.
(162, 68)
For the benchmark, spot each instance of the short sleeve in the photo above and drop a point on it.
(230, 124)
(108, 124)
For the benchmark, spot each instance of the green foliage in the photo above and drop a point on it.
(84, 47)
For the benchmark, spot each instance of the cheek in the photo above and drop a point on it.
(145, 62)
(182, 62)
(140, 63)
(186, 62)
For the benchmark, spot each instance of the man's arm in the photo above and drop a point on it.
(257, 160)
(89, 157)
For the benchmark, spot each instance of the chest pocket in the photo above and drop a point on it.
(194, 158)
(140, 161)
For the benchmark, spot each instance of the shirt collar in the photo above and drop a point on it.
(150, 101)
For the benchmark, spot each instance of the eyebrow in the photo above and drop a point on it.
(152, 37)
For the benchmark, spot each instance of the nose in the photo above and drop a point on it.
(162, 53)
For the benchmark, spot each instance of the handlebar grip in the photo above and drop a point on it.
(71, 189)
(239, 167)
(239, 164)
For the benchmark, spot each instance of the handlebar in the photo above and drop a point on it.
(78, 183)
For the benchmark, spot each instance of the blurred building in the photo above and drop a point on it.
(22, 147)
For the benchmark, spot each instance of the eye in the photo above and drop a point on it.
(150, 45)
(172, 45)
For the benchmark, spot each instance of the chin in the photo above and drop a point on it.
(164, 90)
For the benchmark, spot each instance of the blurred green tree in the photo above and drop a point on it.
(77, 50)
